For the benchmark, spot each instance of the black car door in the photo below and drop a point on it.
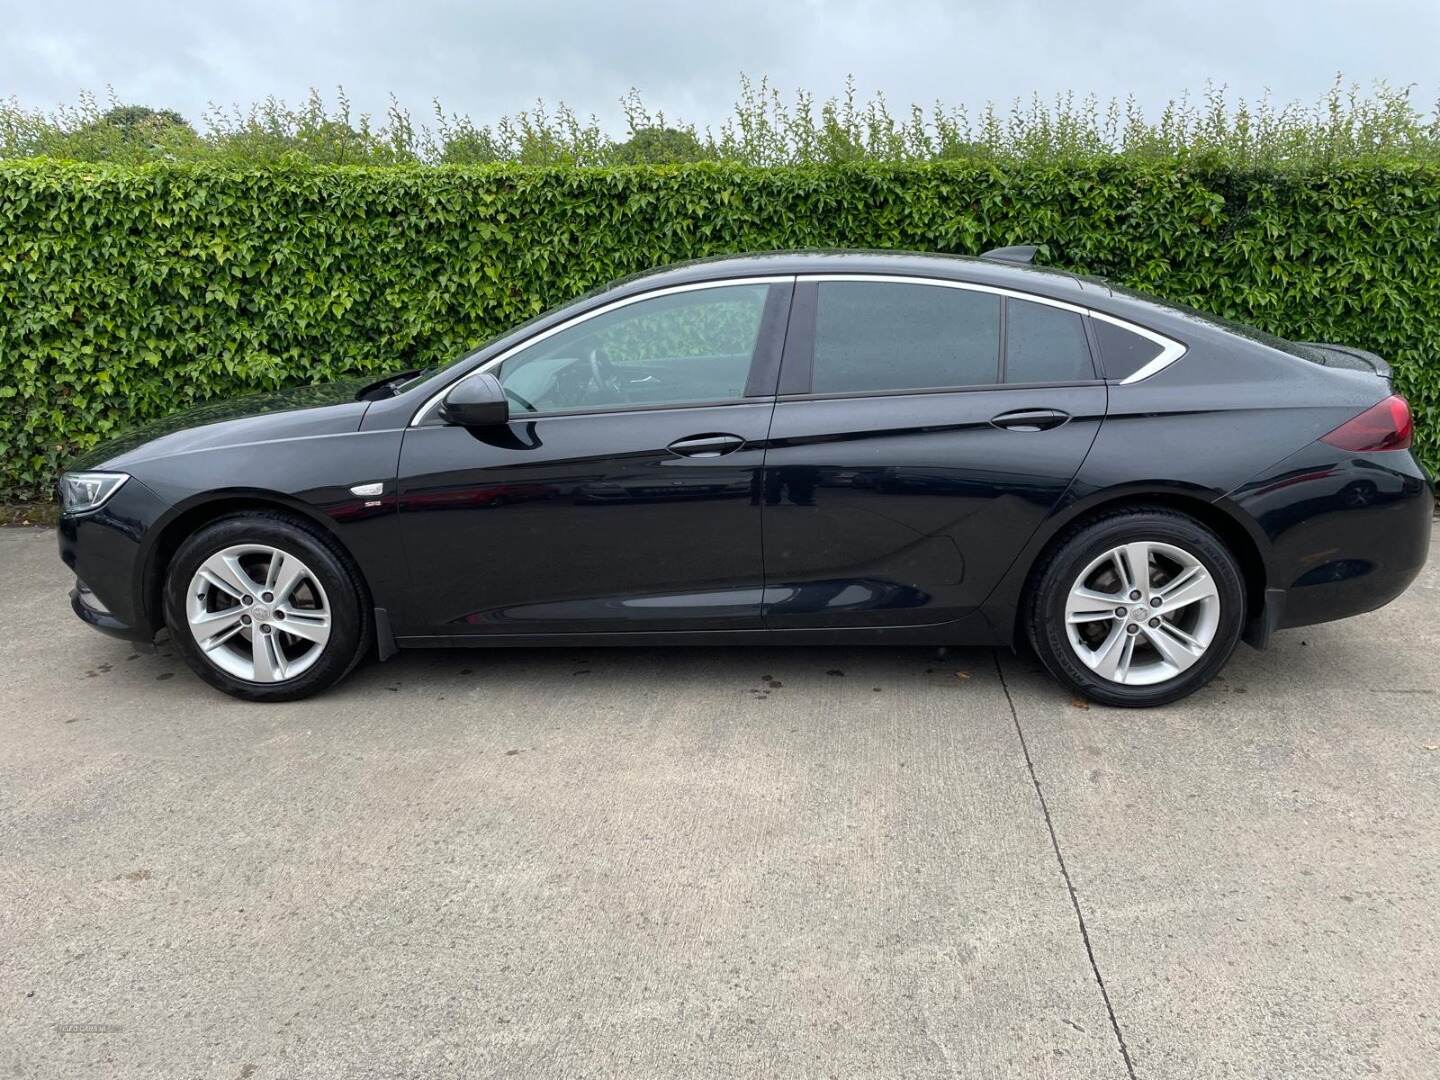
(924, 430)
(622, 495)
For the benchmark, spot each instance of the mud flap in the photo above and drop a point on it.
(1266, 621)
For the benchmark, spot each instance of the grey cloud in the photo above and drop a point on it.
(489, 59)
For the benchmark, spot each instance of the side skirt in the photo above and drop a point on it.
(971, 630)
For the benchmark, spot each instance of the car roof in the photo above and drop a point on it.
(1035, 279)
(1091, 292)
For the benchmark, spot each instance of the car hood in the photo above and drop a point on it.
(326, 408)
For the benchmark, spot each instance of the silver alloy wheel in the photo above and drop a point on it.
(1142, 613)
(258, 613)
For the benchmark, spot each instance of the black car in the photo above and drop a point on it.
(796, 448)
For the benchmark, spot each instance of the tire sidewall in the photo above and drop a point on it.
(347, 615)
(1047, 618)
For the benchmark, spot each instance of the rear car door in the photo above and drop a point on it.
(924, 430)
(623, 493)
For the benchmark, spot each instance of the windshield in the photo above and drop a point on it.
(416, 379)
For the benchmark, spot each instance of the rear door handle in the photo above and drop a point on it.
(1030, 419)
(710, 445)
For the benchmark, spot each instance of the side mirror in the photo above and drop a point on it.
(476, 402)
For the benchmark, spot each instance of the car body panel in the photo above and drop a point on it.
(107, 550)
(907, 509)
(1191, 437)
(306, 474)
(630, 535)
(300, 411)
(1347, 533)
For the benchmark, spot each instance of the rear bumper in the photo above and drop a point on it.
(1348, 534)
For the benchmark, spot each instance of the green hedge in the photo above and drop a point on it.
(130, 292)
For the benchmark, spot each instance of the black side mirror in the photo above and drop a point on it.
(476, 402)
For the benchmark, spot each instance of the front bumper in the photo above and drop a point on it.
(86, 605)
(106, 550)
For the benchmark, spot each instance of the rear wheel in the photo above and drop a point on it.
(264, 609)
(1138, 608)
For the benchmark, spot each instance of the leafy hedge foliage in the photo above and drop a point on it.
(130, 292)
(765, 128)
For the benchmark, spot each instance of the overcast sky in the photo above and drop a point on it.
(487, 59)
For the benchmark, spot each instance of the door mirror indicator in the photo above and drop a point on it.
(476, 402)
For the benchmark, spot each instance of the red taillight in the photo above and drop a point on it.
(1386, 426)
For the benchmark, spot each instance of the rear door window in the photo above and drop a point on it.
(875, 336)
(1045, 344)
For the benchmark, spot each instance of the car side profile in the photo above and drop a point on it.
(812, 447)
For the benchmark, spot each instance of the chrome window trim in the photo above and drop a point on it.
(946, 283)
(422, 414)
(1170, 349)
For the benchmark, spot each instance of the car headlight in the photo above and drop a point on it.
(81, 492)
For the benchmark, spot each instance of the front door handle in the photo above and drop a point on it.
(710, 445)
(1030, 419)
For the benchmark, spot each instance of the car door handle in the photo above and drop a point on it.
(1030, 419)
(711, 445)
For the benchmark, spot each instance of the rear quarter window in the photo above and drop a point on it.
(1122, 352)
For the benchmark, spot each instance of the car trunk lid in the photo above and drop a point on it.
(1344, 356)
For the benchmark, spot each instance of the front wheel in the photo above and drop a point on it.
(1138, 608)
(263, 608)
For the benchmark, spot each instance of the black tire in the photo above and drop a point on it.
(351, 629)
(1077, 549)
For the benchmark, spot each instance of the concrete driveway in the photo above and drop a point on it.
(744, 862)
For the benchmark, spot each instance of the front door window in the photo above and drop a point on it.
(680, 348)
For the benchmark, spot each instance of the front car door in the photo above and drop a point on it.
(924, 430)
(623, 493)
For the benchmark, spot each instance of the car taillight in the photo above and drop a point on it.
(1386, 426)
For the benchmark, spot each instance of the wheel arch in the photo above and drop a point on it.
(188, 517)
(1235, 528)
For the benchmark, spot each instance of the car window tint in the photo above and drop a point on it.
(1045, 344)
(873, 336)
(683, 347)
(1122, 353)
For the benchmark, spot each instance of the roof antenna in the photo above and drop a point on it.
(1020, 253)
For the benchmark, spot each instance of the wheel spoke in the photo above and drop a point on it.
(226, 574)
(1195, 584)
(1175, 646)
(284, 574)
(1127, 653)
(305, 623)
(1117, 560)
(1137, 556)
(1106, 658)
(1087, 605)
(214, 628)
(268, 659)
(1191, 642)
